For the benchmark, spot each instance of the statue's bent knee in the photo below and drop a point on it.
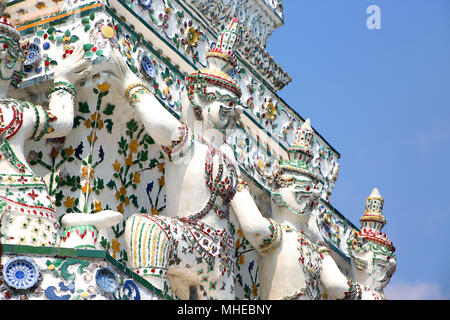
(148, 245)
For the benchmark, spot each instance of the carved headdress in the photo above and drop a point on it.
(372, 221)
(10, 44)
(372, 253)
(300, 156)
(220, 60)
(8, 30)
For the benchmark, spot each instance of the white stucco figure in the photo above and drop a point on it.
(291, 265)
(27, 213)
(373, 260)
(191, 245)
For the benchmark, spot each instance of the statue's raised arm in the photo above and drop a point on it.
(63, 92)
(259, 231)
(158, 122)
(27, 213)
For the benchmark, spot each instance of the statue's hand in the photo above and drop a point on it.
(120, 72)
(73, 68)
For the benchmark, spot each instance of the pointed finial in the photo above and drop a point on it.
(375, 194)
(373, 213)
(307, 124)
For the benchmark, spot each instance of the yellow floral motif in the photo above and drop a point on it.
(66, 42)
(129, 160)
(137, 177)
(260, 164)
(161, 181)
(120, 208)
(95, 116)
(54, 153)
(35, 179)
(166, 93)
(161, 167)
(271, 111)
(192, 36)
(88, 123)
(133, 145)
(116, 166)
(115, 246)
(254, 290)
(241, 259)
(155, 211)
(85, 172)
(123, 190)
(238, 243)
(97, 206)
(103, 87)
(86, 188)
(9, 179)
(100, 124)
(69, 151)
(69, 202)
(92, 137)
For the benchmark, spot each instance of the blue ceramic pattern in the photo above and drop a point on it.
(21, 273)
(107, 280)
(146, 4)
(34, 54)
(148, 66)
(131, 291)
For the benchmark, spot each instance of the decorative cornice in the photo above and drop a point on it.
(253, 45)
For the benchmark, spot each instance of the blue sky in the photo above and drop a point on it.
(382, 99)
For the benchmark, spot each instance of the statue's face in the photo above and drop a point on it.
(9, 58)
(223, 112)
(300, 194)
(373, 265)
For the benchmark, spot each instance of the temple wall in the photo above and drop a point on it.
(108, 161)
